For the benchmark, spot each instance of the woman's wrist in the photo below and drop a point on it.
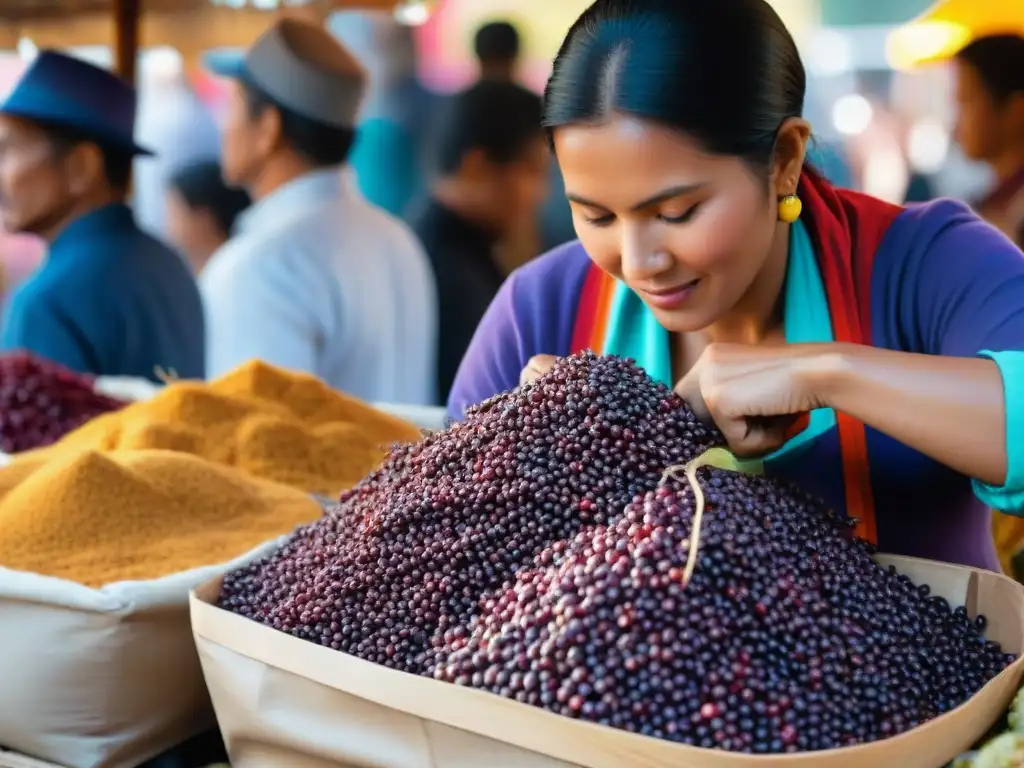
(823, 372)
(913, 398)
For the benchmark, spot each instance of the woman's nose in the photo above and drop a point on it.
(641, 257)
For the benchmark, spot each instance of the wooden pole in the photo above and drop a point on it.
(126, 36)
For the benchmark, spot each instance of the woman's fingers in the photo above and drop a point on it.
(689, 389)
(745, 435)
(755, 436)
(536, 367)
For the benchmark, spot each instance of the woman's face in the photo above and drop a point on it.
(686, 230)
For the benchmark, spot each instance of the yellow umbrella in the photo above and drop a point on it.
(948, 26)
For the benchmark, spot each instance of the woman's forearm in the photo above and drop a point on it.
(949, 408)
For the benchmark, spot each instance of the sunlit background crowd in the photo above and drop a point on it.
(888, 131)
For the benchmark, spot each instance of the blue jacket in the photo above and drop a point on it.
(110, 300)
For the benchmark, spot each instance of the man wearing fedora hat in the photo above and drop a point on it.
(316, 278)
(108, 298)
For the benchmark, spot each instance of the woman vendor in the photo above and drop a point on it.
(714, 256)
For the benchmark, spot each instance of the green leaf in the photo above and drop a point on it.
(723, 458)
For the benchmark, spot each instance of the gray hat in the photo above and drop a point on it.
(303, 68)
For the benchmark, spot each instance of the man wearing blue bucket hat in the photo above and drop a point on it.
(108, 298)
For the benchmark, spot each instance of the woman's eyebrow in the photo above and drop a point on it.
(667, 194)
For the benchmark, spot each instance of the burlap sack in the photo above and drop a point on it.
(102, 678)
(286, 702)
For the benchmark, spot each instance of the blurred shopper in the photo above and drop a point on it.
(175, 123)
(201, 210)
(315, 279)
(990, 98)
(389, 154)
(496, 46)
(108, 299)
(492, 170)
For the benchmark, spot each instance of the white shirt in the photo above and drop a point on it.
(316, 279)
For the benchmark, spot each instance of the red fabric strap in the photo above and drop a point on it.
(847, 228)
(588, 311)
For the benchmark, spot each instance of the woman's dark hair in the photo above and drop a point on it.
(999, 62)
(497, 117)
(320, 145)
(725, 72)
(202, 187)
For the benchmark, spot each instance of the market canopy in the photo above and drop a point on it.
(35, 10)
(948, 26)
(188, 25)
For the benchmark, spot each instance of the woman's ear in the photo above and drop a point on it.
(790, 151)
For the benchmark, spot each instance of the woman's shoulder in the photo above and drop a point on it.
(937, 212)
(946, 282)
(533, 314)
(946, 239)
(938, 221)
(550, 284)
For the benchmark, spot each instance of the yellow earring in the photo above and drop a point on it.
(789, 208)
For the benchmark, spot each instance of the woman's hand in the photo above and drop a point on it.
(754, 393)
(536, 367)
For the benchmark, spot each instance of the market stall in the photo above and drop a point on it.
(355, 639)
(577, 574)
(230, 466)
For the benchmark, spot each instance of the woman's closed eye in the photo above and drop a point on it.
(685, 217)
(600, 221)
(603, 220)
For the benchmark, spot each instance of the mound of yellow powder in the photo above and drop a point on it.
(278, 425)
(98, 517)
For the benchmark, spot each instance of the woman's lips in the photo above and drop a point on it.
(671, 298)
